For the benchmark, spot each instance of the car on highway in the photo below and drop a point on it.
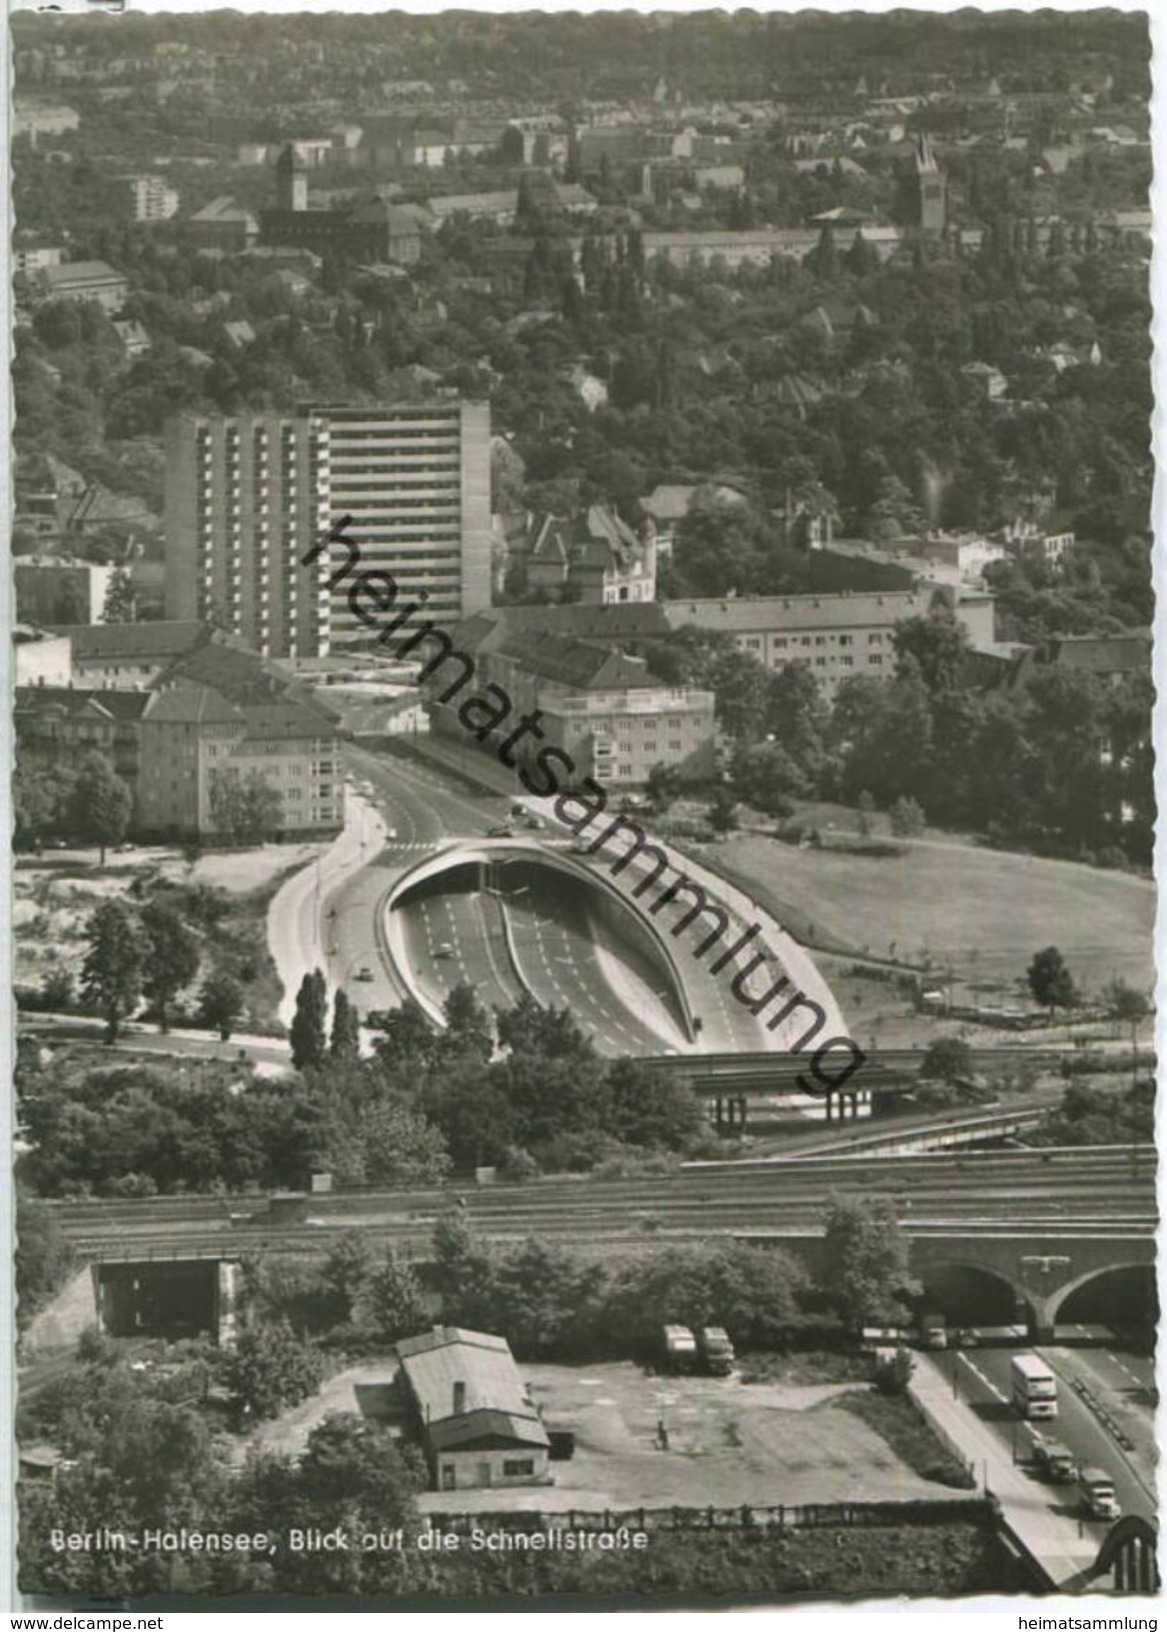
(363, 973)
(501, 830)
(444, 950)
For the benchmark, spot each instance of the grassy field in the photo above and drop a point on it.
(986, 911)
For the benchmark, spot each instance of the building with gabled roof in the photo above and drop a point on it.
(472, 1410)
(596, 705)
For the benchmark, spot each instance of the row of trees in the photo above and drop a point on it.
(1062, 764)
(90, 804)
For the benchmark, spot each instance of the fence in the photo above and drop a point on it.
(837, 1515)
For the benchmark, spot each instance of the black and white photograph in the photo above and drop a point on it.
(582, 810)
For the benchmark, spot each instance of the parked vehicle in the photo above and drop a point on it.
(363, 973)
(933, 1332)
(716, 1350)
(535, 823)
(500, 831)
(1035, 1388)
(1054, 1461)
(680, 1349)
(1098, 1497)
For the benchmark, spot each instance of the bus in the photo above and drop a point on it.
(1035, 1388)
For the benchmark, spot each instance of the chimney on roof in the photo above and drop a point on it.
(459, 1397)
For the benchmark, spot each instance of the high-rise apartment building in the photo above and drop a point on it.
(415, 478)
(246, 497)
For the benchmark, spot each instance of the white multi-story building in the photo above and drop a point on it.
(415, 479)
(151, 199)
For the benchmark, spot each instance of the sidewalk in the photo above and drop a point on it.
(1054, 1538)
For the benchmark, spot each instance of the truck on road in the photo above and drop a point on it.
(716, 1350)
(933, 1332)
(1035, 1388)
(680, 1349)
(1098, 1497)
(1054, 1461)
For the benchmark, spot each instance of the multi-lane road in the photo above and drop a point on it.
(538, 938)
(1122, 1382)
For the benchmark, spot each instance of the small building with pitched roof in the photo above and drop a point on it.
(472, 1411)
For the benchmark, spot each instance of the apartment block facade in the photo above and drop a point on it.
(603, 709)
(191, 736)
(415, 478)
(836, 636)
(246, 498)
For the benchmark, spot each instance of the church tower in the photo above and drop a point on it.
(291, 180)
(929, 190)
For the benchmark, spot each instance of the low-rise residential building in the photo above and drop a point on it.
(41, 659)
(223, 225)
(33, 119)
(594, 558)
(59, 725)
(130, 656)
(193, 737)
(836, 636)
(472, 1411)
(85, 280)
(604, 711)
(55, 590)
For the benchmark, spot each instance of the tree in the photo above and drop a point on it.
(111, 975)
(221, 1003)
(905, 818)
(1128, 1006)
(408, 1036)
(467, 1023)
(723, 811)
(938, 645)
(651, 1109)
(246, 810)
(272, 1369)
(865, 1272)
(346, 1028)
(866, 814)
(663, 786)
(893, 1372)
(121, 603)
(172, 960)
(1050, 981)
(347, 1270)
(948, 1059)
(99, 804)
(391, 1301)
(309, 1033)
(43, 1255)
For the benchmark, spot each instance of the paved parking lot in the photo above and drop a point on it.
(728, 1443)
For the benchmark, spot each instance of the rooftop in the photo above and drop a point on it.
(495, 1400)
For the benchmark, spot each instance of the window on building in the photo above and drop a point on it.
(847, 662)
(516, 1467)
(820, 640)
(875, 662)
(805, 641)
(875, 640)
(820, 662)
(845, 640)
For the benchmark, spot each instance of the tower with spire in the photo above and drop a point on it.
(929, 190)
(291, 180)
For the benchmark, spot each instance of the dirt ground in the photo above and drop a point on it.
(728, 1443)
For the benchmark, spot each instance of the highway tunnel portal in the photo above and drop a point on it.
(663, 952)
